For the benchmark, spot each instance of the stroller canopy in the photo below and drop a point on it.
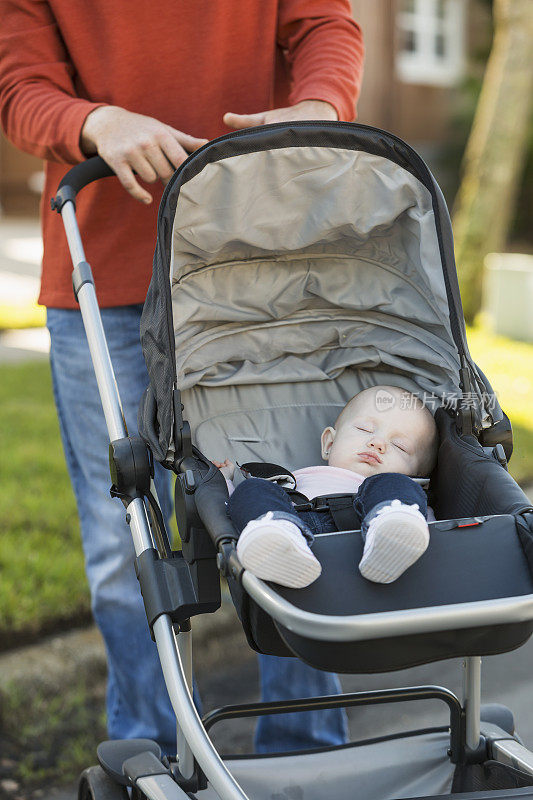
(317, 257)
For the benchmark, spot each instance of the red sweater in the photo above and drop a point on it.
(184, 62)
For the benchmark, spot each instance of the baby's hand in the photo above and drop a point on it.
(226, 467)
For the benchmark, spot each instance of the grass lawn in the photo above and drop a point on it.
(42, 580)
(41, 562)
(508, 366)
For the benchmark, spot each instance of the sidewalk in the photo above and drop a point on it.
(20, 268)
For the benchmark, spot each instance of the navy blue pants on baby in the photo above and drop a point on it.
(255, 496)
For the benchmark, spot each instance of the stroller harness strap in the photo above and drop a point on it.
(340, 506)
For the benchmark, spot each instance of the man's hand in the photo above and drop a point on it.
(128, 142)
(226, 467)
(307, 109)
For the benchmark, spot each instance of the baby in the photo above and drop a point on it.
(381, 437)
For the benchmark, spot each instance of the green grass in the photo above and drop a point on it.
(41, 562)
(509, 367)
(54, 737)
(42, 579)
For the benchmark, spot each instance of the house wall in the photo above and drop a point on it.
(376, 102)
(420, 114)
(414, 112)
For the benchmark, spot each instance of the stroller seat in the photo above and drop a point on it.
(306, 263)
(456, 569)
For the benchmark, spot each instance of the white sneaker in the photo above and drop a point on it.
(396, 538)
(276, 550)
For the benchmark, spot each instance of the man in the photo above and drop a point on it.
(143, 85)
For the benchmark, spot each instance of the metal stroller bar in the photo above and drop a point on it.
(177, 677)
(472, 700)
(326, 627)
(186, 760)
(90, 311)
(180, 697)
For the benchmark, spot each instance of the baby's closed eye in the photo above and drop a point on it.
(403, 446)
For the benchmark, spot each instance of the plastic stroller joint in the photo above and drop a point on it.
(501, 433)
(142, 765)
(131, 468)
(65, 194)
(465, 412)
(475, 756)
(227, 560)
(167, 587)
(81, 274)
(194, 784)
(182, 430)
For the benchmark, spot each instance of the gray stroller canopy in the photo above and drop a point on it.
(295, 265)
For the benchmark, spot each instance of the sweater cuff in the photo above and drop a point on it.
(73, 122)
(342, 105)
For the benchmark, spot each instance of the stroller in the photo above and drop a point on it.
(297, 264)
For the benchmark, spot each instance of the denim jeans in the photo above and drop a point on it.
(137, 700)
(254, 497)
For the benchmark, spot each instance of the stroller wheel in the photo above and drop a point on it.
(95, 784)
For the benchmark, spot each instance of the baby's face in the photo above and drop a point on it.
(370, 440)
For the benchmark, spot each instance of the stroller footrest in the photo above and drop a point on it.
(142, 765)
(113, 754)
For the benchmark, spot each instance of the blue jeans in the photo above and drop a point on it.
(254, 497)
(137, 700)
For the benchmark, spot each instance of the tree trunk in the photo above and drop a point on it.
(496, 149)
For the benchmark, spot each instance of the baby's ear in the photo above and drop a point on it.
(326, 440)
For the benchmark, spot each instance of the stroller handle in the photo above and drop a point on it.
(79, 176)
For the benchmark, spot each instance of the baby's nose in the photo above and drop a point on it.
(378, 444)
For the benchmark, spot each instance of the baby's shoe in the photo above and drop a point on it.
(276, 550)
(396, 537)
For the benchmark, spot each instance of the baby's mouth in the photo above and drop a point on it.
(370, 458)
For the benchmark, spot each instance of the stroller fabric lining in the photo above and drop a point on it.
(290, 295)
(280, 272)
(309, 254)
(275, 423)
(417, 766)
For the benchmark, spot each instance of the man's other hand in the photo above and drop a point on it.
(307, 109)
(131, 142)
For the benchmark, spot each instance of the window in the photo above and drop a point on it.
(431, 41)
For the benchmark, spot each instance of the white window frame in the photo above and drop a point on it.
(423, 65)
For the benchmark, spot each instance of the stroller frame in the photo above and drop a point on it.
(196, 755)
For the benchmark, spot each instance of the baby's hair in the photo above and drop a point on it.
(407, 401)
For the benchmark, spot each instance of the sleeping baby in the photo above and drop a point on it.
(373, 451)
